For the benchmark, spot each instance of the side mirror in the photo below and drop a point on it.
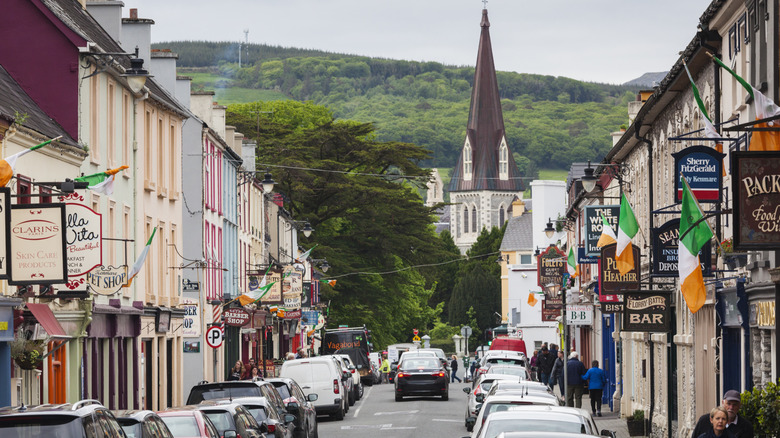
(609, 433)
(351, 367)
(479, 398)
(289, 418)
(312, 397)
(466, 390)
(232, 433)
(263, 428)
(345, 376)
(471, 421)
(293, 407)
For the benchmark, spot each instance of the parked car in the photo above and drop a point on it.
(479, 388)
(357, 384)
(298, 404)
(323, 376)
(188, 422)
(376, 363)
(142, 424)
(504, 359)
(277, 426)
(525, 386)
(504, 401)
(61, 421)
(230, 417)
(513, 343)
(231, 389)
(536, 418)
(421, 376)
(515, 370)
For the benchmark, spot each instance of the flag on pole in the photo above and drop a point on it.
(607, 233)
(139, 263)
(255, 295)
(765, 107)
(532, 299)
(574, 270)
(7, 164)
(306, 255)
(709, 129)
(101, 182)
(627, 229)
(330, 283)
(693, 236)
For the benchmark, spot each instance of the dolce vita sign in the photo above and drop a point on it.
(37, 240)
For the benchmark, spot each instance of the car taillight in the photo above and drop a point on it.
(353, 371)
(439, 374)
(399, 375)
(335, 386)
(271, 428)
(478, 390)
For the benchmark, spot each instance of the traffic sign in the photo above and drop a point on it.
(416, 338)
(214, 336)
(465, 331)
(415, 332)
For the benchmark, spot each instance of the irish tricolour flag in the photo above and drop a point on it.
(139, 262)
(627, 229)
(694, 233)
(607, 233)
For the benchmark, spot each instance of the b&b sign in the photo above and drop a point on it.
(579, 314)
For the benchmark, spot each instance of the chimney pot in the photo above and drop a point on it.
(133, 13)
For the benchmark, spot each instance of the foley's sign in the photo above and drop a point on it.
(37, 240)
(5, 219)
(107, 280)
(551, 265)
(756, 192)
(702, 167)
(647, 312)
(594, 225)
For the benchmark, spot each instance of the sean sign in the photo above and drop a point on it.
(665, 245)
(756, 192)
(37, 240)
(236, 317)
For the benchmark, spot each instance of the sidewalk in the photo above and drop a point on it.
(609, 420)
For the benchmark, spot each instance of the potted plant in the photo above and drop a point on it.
(732, 259)
(27, 353)
(636, 423)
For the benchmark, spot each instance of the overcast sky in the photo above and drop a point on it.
(610, 41)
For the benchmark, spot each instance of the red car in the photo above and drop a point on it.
(188, 422)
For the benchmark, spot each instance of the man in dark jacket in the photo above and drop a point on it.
(545, 364)
(574, 383)
(557, 374)
(737, 425)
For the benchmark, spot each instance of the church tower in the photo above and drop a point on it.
(485, 180)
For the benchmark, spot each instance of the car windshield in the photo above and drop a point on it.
(512, 371)
(234, 391)
(486, 384)
(258, 412)
(222, 420)
(420, 363)
(16, 426)
(132, 429)
(494, 428)
(283, 390)
(182, 426)
(506, 360)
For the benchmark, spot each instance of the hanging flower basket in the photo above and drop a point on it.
(29, 361)
(27, 353)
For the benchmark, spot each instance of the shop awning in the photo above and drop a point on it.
(46, 318)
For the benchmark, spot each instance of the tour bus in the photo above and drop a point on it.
(354, 341)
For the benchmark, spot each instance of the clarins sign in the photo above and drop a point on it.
(37, 240)
(756, 192)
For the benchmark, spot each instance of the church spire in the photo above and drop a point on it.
(485, 162)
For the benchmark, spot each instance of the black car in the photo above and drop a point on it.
(142, 424)
(232, 419)
(67, 420)
(231, 389)
(421, 376)
(299, 405)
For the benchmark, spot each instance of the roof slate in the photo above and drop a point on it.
(518, 235)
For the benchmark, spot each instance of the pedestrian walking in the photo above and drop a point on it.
(454, 366)
(575, 386)
(473, 367)
(385, 370)
(237, 371)
(534, 369)
(718, 419)
(545, 364)
(736, 424)
(597, 380)
(556, 376)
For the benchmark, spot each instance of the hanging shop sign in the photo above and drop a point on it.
(292, 287)
(579, 314)
(311, 317)
(5, 235)
(647, 312)
(274, 294)
(762, 314)
(702, 167)
(236, 317)
(594, 225)
(292, 314)
(551, 265)
(191, 323)
(37, 241)
(107, 280)
(584, 259)
(83, 239)
(756, 193)
(665, 246)
(612, 283)
(163, 320)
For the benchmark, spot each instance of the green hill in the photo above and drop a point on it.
(552, 121)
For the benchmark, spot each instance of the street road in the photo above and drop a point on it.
(379, 415)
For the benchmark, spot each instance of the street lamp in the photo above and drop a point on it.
(136, 75)
(590, 181)
(502, 259)
(268, 182)
(307, 229)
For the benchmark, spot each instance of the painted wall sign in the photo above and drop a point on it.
(756, 193)
(37, 240)
(702, 167)
(579, 314)
(5, 235)
(593, 225)
(665, 246)
(647, 312)
(292, 287)
(236, 317)
(107, 280)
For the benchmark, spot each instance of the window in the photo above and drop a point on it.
(162, 263)
(465, 219)
(23, 187)
(126, 113)
(111, 233)
(503, 161)
(467, 165)
(111, 143)
(149, 262)
(162, 186)
(148, 180)
(172, 186)
(525, 259)
(94, 119)
(473, 218)
(501, 216)
(172, 260)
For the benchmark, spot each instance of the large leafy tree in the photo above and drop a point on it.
(361, 197)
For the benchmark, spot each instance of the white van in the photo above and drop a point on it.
(322, 376)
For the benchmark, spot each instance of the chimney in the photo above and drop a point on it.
(133, 13)
(518, 208)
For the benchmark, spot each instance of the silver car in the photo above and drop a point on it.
(536, 418)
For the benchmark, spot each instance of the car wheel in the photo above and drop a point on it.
(446, 396)
(360, 391)
(338, 415)
(351, 397)
(469, 427)
(398, 397)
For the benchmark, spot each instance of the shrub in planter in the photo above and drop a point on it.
(636, 423)
(762, 408)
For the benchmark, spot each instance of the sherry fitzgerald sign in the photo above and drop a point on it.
(756, 192)
(37, 239)
(702, 167)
